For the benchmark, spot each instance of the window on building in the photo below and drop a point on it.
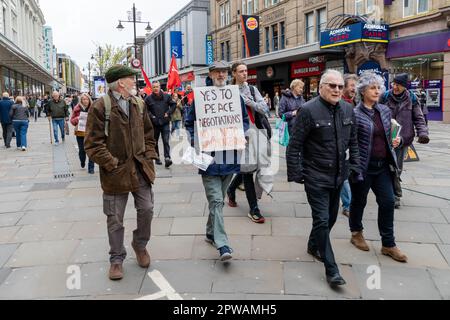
(269, 3)
(283, 36)
(222, 15)
(309, 27)
(14, 28)
(249, 7)
(321, 22)
(227, 13)
(267, 32)
(414, 7)
(222, 51)
(370, 6)
(4, 19)
(422, 6)
(275, 38)
(359, 7)
(228, 47)
(244, 48)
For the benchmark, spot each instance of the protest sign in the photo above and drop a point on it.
(220, 123)
(82, 120)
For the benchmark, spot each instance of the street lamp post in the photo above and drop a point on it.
(134, 19)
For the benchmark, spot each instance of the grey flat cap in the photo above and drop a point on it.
(219, 65)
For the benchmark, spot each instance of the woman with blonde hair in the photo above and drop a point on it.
(78, 119)
(20, 115)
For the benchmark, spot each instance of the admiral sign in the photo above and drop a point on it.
(358, 32)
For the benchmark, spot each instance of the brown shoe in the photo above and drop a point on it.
(395, 254)
(116, 272)
(346, 213)
(142, 257)
(359, 242)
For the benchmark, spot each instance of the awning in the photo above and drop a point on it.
(14, 58)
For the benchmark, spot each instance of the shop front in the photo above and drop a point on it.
(18, 84)
(273, 78)
(310, 72)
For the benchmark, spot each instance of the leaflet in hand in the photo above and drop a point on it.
(82, 121)
(201, 161)
(395, 129)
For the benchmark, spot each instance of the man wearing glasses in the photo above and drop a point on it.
(322, 152)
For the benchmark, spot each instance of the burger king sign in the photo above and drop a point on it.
(252, 24)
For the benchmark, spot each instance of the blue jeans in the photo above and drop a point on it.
(176, 125)
(21, 127)
(216, 190)
(380, 181)
(346, 196)
(58, 123)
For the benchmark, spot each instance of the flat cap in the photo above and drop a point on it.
(118, 72)
(219, 65)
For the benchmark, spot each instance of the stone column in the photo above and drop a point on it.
(446, 88)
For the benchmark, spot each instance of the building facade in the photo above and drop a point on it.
(69, 74)
(420, 46)
(192, 21)
(49, 48)
(22, 67)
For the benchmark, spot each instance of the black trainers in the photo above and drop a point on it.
(158, 162)
(256, 217)
(225, 254)
(168, 163)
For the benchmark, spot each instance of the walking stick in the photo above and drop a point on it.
(50, 127)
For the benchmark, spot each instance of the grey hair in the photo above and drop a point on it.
(367, 79)
(113, 85)
(329, 73)
(350, 77)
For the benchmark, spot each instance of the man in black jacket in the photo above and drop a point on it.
(160, 108)
(323, 144)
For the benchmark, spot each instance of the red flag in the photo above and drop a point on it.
(148, 89)
(174, 80)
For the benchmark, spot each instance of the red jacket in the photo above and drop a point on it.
(75, 118)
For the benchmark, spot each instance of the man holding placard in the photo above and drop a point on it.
(217, 123)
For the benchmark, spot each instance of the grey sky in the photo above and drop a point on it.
(78, 24)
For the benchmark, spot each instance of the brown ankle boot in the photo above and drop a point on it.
(359, 242)
(395, 254)
(116, 272)
(142, 257)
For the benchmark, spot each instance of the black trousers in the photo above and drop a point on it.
(250, 191)
(7, 134)
(324, 203)
(165, 132)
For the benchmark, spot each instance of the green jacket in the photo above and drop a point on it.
(58, 110)
(177, 115)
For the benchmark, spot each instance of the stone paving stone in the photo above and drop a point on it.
(84, 184)
(419, 256)
(412, 199)
(279, 248)
(303, 211)
(161, 227)
(295, 227)
(398, 283)
(189, 226)
(95, 280)
(443, 232)
(7, 233)
(87, 230)
(173, 198)
(4, 274)
(293, 197)
(213, 297)
(244, 226)
(242, 246)
(47, 232)
(91, 250)
(441, 279)
(416, 232)
(167, 188)
(198, 197)
(182, 210)
(346, 253)
(192, 187)
(12, 197)
(47, 204)
(88, 192)
(46, 194)
(270, 210)
(446, 213)
(303, 278)
(36, 283)
(6, 252)
(445, 250)
(270, 297)
(11, 207)
(433, 182)
(10, 219)
(249, 277)
(171, 248)
(184, 276)
(42, 254)
(83, 202)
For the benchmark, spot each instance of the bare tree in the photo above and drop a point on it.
(108, 55)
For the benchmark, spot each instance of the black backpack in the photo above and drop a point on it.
(261, 121)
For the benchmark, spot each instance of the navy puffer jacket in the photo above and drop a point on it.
(366, 127)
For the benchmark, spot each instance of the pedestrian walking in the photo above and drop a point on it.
(58, 111)
(378, 164)
(119, 138)
(323, 148)
(7, 126)
(20, 116)
(82, 110)
(276, 102)
(217, 178)
(177, 115)
(257, 110)
(291, 103)
(407, 111)
(160, 108)
(349, 95)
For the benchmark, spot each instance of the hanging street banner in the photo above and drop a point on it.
(99, 87)
(176, 44)
(250, 29)
(358, 32)
(220, 123)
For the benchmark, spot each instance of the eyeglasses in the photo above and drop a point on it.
(334, 86)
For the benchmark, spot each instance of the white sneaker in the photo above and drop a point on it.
(56, 143)
(24, 149)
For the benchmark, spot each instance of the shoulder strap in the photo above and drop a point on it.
(107, 102)
(253, 92)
